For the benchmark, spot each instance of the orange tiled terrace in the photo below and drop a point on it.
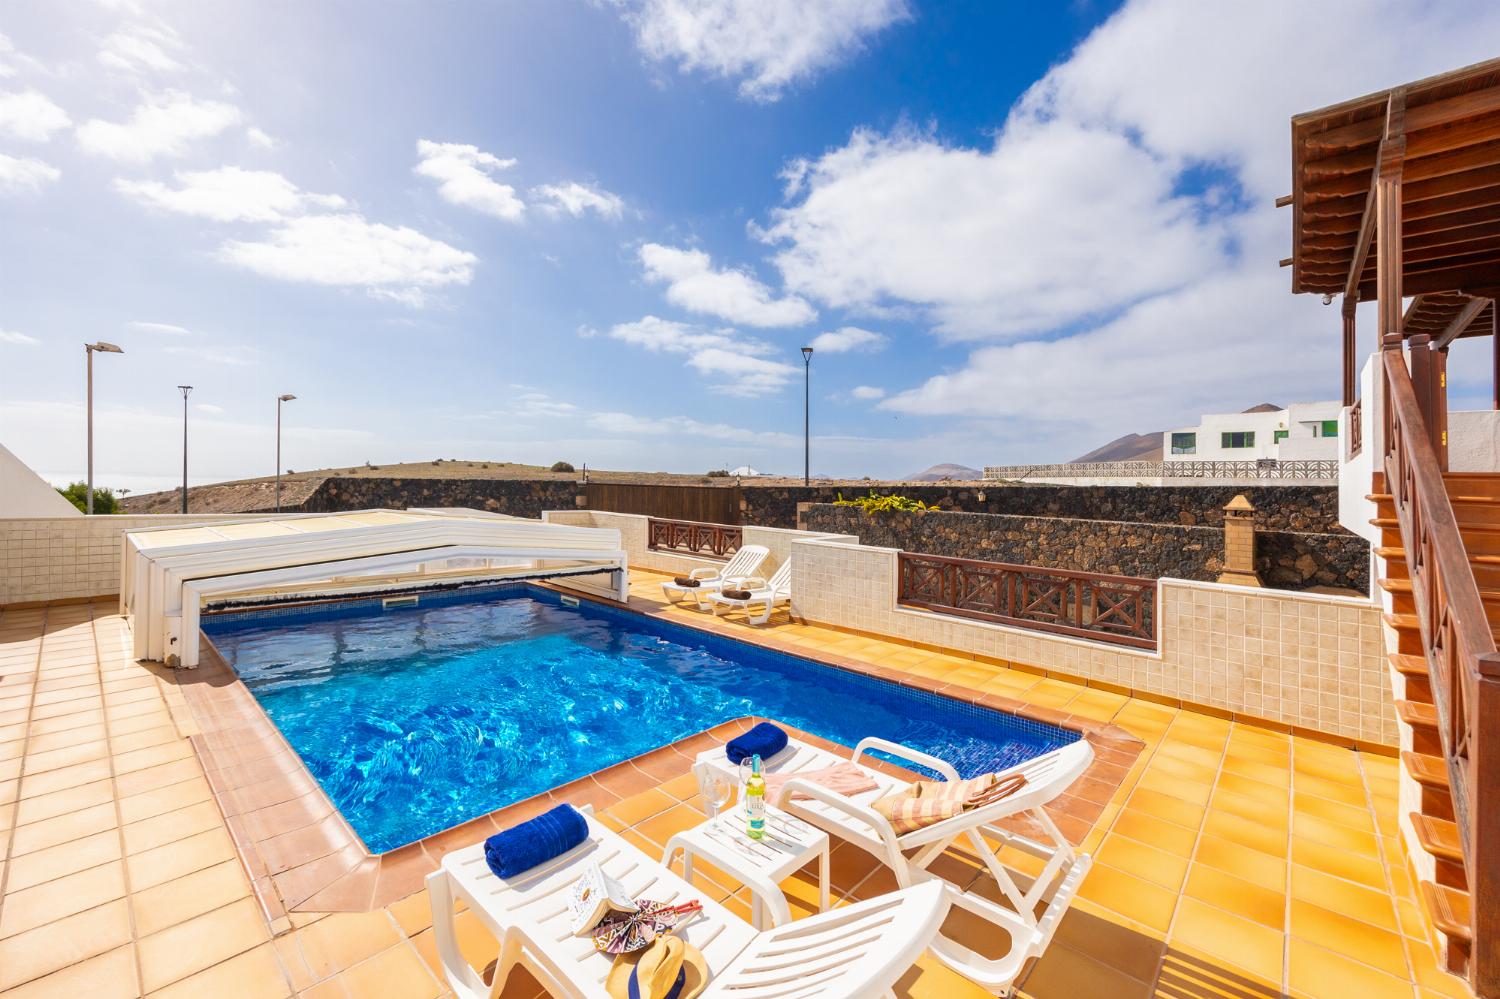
(1232, 859)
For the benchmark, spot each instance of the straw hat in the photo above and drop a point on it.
(670, 968)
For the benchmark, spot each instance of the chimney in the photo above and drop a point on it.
(1239, 543)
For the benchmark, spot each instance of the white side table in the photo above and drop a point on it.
(760, 864)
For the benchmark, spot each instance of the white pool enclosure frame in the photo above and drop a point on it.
(168, 576)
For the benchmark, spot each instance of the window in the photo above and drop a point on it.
(1184, 443)
(1330, 428)
(1280, 436)
(1237, 439)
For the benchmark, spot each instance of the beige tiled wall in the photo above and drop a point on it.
(1295, 658)
(61, 558)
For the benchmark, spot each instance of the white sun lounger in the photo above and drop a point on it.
(851, 818)
(744, 563)
(764, 593)
(852, 952)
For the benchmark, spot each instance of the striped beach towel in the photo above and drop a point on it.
(925, 802)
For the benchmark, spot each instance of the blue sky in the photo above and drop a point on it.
(601, 231)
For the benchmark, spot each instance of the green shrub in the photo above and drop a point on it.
(718, 473)
(561, 466)
(874, 503)
(104, 499)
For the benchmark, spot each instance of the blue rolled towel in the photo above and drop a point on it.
(764, 740)
(536, 841)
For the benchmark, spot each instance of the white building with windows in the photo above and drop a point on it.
(1302, 431)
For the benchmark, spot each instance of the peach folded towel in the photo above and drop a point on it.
(842, 778)
(926, 803)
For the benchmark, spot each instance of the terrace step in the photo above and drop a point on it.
(1402, 588)
(1438, 837)
(1429, 771)
(1407, 665)
(1402, 621)
(1418, 715)
(1486, 567)
(1448, 908)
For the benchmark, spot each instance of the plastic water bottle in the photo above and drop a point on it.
(755, 801)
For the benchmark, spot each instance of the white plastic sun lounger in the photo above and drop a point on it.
(745, 562)
(763, 593)
(851, 818)
(852, 952)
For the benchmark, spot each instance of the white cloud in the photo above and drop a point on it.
(628, 424)
(848, 338)
(229, 194)
(209, 408)
(259, 139)
(138, 47)
(693, 284)
(742, 363)
(165, 328)
(165, 125)
(392, 262)
(25, 174)
(30, 116)
(464, 178)
(229, 355)
(15, 337)
(767, 45)
(1029, 234)
(578, 199)
(867, 392)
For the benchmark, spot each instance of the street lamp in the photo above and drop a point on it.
(807, 353)
(279, 400)
(89, 349)
(184, 389)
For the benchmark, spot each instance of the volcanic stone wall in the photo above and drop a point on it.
(517, 497)
(1285, 559)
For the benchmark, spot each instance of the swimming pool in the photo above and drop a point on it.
(419, 718)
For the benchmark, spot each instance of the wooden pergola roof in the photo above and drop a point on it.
(1445, 316)
(1444, 134)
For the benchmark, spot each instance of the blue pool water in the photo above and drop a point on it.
(417, 719)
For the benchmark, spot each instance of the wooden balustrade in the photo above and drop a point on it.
(689, 537)
(1461, 655)
(1116, 609)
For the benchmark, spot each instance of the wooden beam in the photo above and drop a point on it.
(1349, 308)
(1366, 235)
(1469, 105)
(1283, 201)
(1387, 215)
(1460, 322)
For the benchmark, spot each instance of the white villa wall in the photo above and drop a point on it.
(1474, 441)
(23, 493)
(1290, 658)
(1300, 444)
(67, 558)
(1356, 474)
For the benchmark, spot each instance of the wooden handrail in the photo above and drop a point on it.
(1108, 608)
(1461, 655)
(691, 537)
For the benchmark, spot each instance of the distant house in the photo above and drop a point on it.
(1301, 431)
(746, 472)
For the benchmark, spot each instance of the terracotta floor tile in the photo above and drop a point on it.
(255, 974)
(663, 826)
(1145, 862)
(170, 827)
(1243, 862)
(413, 913)
(1339, 863)
(63, 943)
(1346, 897)
(1246, 832)
(1350, 937)
(1244, 944)
(641, 806)
(55, 862)
(1167, 808)
(63, 828)
(1142, 901)
(29, 908)
(1062, 973)
(1187, 973)
(1237, 896)
(165, 863)
(165, 905)
(340, 941)
(397, 973)
(64, 777)
(1145, 828)
(1336, 835)
(1310, 969)
(110, 975)
(137, 807)
(175, 953)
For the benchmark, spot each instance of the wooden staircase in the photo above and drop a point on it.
(1475, 498)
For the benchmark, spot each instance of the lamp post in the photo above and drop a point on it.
(88, 350)
(288, 397)
(184, 389)
(807, 353)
